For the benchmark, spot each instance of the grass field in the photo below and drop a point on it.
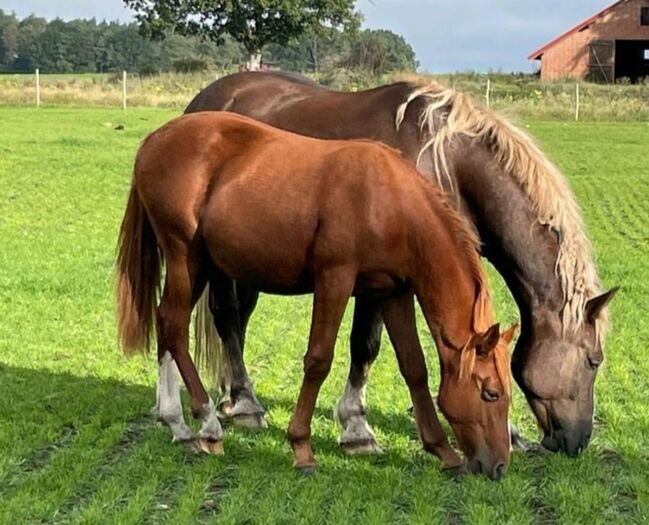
(78, 443)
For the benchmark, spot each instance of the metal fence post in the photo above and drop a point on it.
(577, 102)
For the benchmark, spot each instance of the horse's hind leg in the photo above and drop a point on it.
(399, 317)
(231, 305)
(357, 436)
(182, 288)
(168, 407)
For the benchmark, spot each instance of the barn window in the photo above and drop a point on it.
(644, 16)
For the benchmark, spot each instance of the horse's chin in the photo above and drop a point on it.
(550, 443)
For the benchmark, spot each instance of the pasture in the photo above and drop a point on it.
(78, 443)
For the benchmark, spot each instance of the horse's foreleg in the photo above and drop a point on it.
(173, 318)
(332, 290)
(231, 307)
(357, 436)
(399, 317)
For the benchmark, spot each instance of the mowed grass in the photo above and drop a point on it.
(78, 443)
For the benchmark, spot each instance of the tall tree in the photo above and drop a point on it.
(8, 39)
(380, 51)
(29, 31)
(253, 23)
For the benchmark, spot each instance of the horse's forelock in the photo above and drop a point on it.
(501, 363)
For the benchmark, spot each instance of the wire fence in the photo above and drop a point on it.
(518, 96)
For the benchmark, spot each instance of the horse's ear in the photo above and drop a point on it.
(487, 341)
(509, 334)
(595, 305)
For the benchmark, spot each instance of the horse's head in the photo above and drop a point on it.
(474, 397)
(556, 369)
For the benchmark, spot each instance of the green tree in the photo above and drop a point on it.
(381, 51)
(253, 23)
(8, 39)
(312, 52)
(370, 51)
(29, 30)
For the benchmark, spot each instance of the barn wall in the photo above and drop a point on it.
(569, 56)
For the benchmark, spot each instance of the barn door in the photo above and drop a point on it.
(601, 61)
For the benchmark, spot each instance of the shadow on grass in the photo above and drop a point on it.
(43, 412)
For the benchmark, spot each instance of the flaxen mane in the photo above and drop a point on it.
(450, 113)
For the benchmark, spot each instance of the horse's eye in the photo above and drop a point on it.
(491, 395)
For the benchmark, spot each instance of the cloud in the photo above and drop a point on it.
(456, 35)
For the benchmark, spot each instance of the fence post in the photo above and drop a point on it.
(577, 102)
(38, 88)
(488, 95)
(124, 90)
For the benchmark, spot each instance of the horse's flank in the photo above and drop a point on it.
(449, 114)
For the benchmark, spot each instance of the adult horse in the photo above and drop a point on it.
(209, 191)
(520, 204)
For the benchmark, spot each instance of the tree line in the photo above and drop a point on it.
(59, 46)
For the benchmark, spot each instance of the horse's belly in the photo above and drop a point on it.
(267, 272)
(268, 252)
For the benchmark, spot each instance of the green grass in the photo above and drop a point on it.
(78, 443)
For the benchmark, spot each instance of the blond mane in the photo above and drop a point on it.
(449, 114)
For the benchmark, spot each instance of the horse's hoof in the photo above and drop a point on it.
(250, 420)
(365, 447)
(536, 449)
(224, 408)
(213, 448)
(191, 445)
(308, 469)
(518, 442)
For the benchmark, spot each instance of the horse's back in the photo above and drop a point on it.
(263, 87)
(272, 203)
(295, 103)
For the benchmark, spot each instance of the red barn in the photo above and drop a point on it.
(610, 45)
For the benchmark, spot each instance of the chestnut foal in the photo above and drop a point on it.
(218, 197)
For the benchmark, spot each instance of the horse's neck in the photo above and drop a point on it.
(522, 250)
(446, 293)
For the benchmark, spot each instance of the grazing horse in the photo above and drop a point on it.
(528, 222)
(211, 195)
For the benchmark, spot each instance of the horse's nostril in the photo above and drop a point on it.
(499, 470)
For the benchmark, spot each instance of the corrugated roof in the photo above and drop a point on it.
(582, 25)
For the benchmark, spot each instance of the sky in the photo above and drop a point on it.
(447, 35)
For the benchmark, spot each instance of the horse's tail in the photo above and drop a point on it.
(210, 353)
(137, 277)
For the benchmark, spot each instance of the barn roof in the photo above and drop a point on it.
(580, 26)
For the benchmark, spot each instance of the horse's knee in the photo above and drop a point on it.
(415, 377)
(317, 365)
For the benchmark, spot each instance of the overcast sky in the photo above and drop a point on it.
(447, 35)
